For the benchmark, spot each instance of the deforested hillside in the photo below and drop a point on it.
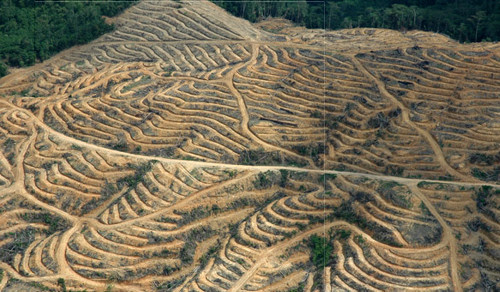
(189, 150)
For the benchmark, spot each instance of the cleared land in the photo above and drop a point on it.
(191, 151)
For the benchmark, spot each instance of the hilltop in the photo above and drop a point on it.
(190, 150)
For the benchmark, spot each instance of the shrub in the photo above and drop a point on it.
(312, 150)
(299, 288)
(394, 170)
(346, 212)
(316, 114)
(55, 223)
(284, 177)
(480, 158)
(187, 252)
(20, 242)
(493, 175)
(61, 283)
(326, 177)
(483, 197)
(212, 251)
(140, 171)
(263, 180)
(343, 234)
(321, 251)
(424, 209)
(378, 121)
(3, 69)
(259, 156)
(9, 144)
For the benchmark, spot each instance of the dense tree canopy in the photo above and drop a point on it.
(34, 30)
(463, 20)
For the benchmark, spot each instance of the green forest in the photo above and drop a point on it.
(463, 20)
(34, 30)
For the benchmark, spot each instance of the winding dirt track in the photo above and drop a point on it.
(66, 272)
(266, 256)
(447, 237)
(261, 168)
(406, 117)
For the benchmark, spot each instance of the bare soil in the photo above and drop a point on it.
(189, 150)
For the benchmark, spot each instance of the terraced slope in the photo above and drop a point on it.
(191, 151)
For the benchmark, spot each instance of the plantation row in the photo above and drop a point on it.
(185, 151)
(129, 221)
(295, 99)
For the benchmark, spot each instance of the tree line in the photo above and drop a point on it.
(33, 31)
(463, 20)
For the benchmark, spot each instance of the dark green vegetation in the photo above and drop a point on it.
(463, 20)
(321, 251)
(35, 30)
(22, 238)
(484, 198)
(493, 175)
(262, 157)
(20, 242)
(481, 159)
(140, 171)
(17, 285)
(264, 180)
(55, 223)
(61, 283)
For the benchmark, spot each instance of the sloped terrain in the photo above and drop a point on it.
(191, 151)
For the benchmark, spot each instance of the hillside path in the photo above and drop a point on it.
(261, 168)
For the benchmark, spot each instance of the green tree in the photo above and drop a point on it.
(3, 69)
(333, 19)
(58, 26)
(477, 19)
(480, 18)
(399, 16)
(321, 251)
